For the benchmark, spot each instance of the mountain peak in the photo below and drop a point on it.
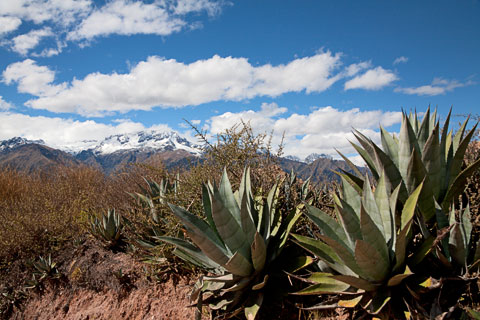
(16, 142)
(148, 140)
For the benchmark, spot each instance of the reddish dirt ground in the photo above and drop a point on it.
(92, 288)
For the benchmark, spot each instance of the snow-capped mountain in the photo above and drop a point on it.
(145, 141)
(16, 142)
(314, 156)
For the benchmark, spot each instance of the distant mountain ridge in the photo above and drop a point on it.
(118, 150)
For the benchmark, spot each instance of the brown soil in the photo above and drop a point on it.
(92, 287)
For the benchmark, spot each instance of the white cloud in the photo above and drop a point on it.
(438, 86)
(9, 24)
(31, 78)
(62, 12)
(65, 133)
(83, 20)
(25, 42)
(4, 105)
(401, 59)
(168, 83)
(321, 131)
(126, 18)
(373, 79)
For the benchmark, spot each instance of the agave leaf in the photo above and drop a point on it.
(424, 130)
(354, 181)
(398, 278)
(356, 282)
(379, 300)
(409, 207)
(459, 135)
(406, 145)
(370, 206)
(367, 158)
(285, 229)
(431, 157)
(207, 194)
(466, 226)
(239, 266)
(370, 261)
(261, 284)
(458, 185)
(351, 196)
(202, 235)
(259, 252)
(392, 174)
(382, 199)
(226, 195)
(228, 227)
(350, 221)
(390, 146)
(327, 224)
(324, 252)
(457, 247)
(459, 154)
(401, 246)
(239, 285)
(324, 285)
(253, 305)
(248, 224)
(352, 303)
(345, 254)
(374, 238)
(190, 253)
(474, 314)
(297, 263)
(350, 164)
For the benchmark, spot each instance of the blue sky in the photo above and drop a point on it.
(76, 70)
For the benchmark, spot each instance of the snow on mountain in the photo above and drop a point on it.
(146, 141)
(314, 156)
(16, 142)
(294, 158)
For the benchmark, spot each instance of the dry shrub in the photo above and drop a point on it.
(41, 210)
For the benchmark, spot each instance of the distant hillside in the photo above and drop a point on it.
(31, 157)
(320, 170)
(115, 152)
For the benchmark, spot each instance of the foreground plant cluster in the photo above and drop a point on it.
(400, 242)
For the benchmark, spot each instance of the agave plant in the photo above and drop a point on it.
(155, 195)
(364, 251)
(421, 153)
(240, 241)
(108, 228)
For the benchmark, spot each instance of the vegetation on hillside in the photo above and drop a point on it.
(366, 245)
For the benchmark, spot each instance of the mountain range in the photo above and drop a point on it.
(118, 150)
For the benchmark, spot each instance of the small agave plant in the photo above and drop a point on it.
(43, 268)
(363, 251)
(108, 228)
(240, 241)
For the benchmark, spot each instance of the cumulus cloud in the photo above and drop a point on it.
(65, 133)
(401, 59)
(84, 20)
(9, 24)
(32, 78)
(321, 131)
(126, 18)
(169, 83)
(25, 42)
(373, 79)
(4, 105)
(437, 87)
